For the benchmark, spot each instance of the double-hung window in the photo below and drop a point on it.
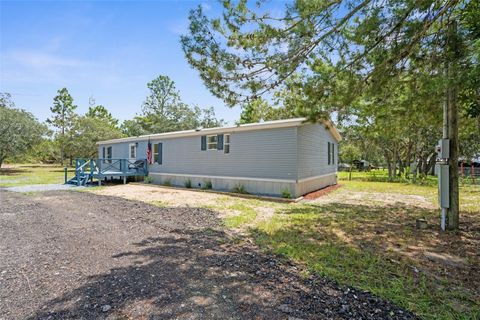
(132, 151)
(328, 153)
(109, 154)
(226, 143)
(212, 142)
(157, 153)
(331, 152)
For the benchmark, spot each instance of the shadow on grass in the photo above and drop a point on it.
(378, 248)
(12, 171)
(195, 274)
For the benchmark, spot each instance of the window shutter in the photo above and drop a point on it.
(333, 153)
(203, 143)
(220, 142)
(160, 145)
(328, 144)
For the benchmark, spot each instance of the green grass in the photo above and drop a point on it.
(365, 246)
(339, 242)
(245, 215)
(26, 174)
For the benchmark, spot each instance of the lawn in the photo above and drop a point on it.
(364, 235)
(361, 238)
(25, 174)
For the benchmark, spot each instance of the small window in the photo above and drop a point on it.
(212, 142)
(226, 143)
(109, 154)
(132, 151)
(328, 152)
(155, 153)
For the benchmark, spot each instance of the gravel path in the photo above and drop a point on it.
(75, 255)
(40, 187)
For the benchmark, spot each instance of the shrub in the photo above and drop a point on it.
(239, 188)
(188, 183)
(286, 194)
(207, 185)
(167, 183)
(148, 180)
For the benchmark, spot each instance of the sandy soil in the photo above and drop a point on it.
(374, 199)
(168, 196)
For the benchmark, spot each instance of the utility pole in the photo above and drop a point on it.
(448, 146)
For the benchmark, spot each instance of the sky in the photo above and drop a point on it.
(106, 49)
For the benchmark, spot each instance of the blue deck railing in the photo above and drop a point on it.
(99, 168)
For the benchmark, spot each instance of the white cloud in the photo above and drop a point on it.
(38, 59)
(179, 27)
(206, 6)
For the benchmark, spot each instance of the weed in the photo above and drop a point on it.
(286, 194)
(158, 203)
(207, 185)
(239, 188)
(188, 183)
(167, 183)
(148, 179)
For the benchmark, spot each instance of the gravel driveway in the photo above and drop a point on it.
(76, 255)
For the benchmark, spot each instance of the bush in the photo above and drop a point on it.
(207, 185)
(286, 194)
(239, 188)
(167, 183)
(188, 183)
(148, 180)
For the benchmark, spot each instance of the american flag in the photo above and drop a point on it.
(149, 153)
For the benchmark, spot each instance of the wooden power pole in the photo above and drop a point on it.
(450, 125)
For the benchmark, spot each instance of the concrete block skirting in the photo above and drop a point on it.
(268, 187)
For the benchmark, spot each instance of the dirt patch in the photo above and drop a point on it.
(73, 255)
(167, 196)
(375, 199)
(317, 194)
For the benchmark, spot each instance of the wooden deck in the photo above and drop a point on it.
(98, 168)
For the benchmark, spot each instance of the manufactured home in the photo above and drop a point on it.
(286, 157)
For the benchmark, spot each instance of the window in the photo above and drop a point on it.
(109, 154)
(226, 143)
(157, 153)
(103, 153)
(132, 151)
(328, 152)
(212, 142)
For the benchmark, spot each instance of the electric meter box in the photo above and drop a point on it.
(443, 148)
(443, 185)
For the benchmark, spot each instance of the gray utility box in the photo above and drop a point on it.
(443, 185)
(443, 148)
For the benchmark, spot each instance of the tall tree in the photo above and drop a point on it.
(340, 48)
(100, 112)
(86, 132)
(19, 130)
(164, 111)
(63, 117)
